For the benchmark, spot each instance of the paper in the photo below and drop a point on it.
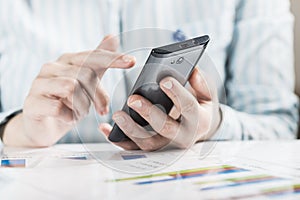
(56, 156)
(215, 182)
(241, 173)
(136, 161)
(224, 170)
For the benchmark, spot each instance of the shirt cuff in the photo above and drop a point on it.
(4, 115)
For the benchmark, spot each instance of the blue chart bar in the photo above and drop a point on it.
(132, 157)
(192, 175)
(283, 191)
(183, 174)
(13, 163)
(240, 184)
(274, 192)
(77, 158)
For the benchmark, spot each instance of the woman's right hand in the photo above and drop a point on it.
(62, 93)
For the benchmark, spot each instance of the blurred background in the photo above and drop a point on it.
(296, 11)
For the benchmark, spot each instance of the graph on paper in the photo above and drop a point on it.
(221, 180)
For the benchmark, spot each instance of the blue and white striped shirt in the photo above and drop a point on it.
(251, 47)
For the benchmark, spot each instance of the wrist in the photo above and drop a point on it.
(219, 119)
(5, 121)
(215, 125)
(13, 133)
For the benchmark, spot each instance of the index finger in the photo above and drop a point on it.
(183, 100)
(98, 60)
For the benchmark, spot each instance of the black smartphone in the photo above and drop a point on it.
(177, 60)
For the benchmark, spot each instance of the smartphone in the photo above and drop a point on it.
(176, 60)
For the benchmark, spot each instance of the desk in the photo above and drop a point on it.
(210, 170)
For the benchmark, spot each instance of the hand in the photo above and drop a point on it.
(62, 93)
(199, 116)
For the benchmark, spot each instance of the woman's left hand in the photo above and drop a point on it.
(198, 110)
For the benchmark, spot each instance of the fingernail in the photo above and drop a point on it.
(119, 119)
(128, 58)
(168, 85)
(136, 104)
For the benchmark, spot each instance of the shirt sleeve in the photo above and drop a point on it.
(4, 113)
(261, 103)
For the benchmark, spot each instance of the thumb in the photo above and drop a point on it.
(109, 43)
(204, 90)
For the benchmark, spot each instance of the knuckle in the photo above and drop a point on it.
(80, 58)
(56, 108)
(174, 95)
(88, 74)
(48, 64)
(128, 127)
(76, 83)
(168, 128)
(46, 67)
(149, 110)
(98, 51)
(36, 83)
(189, 106)
(64, 56)
(70, 86)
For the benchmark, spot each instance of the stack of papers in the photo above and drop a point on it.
(210, 170)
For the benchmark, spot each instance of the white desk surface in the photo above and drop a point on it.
(210, 170)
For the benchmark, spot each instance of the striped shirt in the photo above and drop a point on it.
(251, 48)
